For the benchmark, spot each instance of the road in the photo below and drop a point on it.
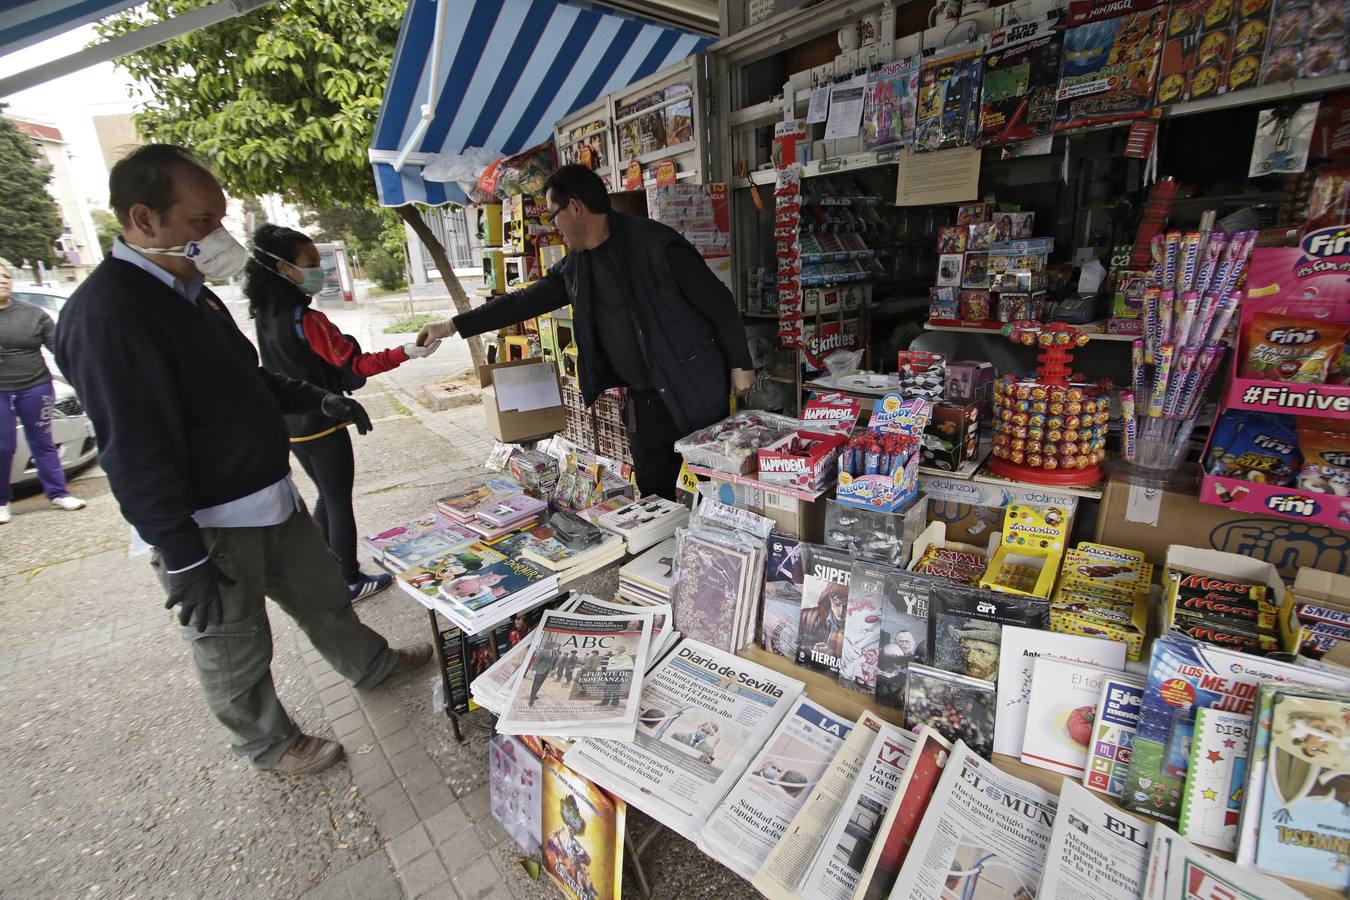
(116, 781)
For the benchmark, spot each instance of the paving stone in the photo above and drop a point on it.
(371, 778)
(407, 760)
(478, 879)
(349, 724)
(342, 707)
(328, 679)
(360, 761)
(385, 799)
(447, 825)
(331, 695)
(432, 800)
(408, 846)
(362, 737)
(372, 879)
(423, 874)
(491, 832)
(464, 849)
(379, 703)
(399, 741)
(422, 777)
(334, 887)
(388, 725)
(397, 820)
(477, 804)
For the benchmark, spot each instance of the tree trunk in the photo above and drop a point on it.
(413, 217)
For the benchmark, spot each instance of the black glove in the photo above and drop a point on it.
(345, 409)
(196, 591)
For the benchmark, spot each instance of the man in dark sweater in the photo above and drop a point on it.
(649, 316)
(191, 434)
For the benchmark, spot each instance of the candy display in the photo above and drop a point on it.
(959, 566)
(1028, 556)
(1103, 591)
(732, 445)
(1219, 609)
(1291, 349)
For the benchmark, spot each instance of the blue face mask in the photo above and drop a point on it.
(313, 278)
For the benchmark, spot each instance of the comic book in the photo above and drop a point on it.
(888, 103)
(824, 607)
(862, 626)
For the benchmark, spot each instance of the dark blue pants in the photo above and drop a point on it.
(33, 406)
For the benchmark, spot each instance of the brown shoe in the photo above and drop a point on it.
(412, 658)
(309, 754)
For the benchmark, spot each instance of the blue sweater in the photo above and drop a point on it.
(185, 417)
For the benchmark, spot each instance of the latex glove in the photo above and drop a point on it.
(345, 409)
(196, 591)
(742, 380)
(435, 331)
(415, 352)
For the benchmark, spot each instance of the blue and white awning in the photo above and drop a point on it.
(26, 22)
(500, 74)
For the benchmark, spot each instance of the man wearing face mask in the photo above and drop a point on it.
(192, 436)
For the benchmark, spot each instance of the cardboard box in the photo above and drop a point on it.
(802, 460)
(972, 510)
(1240, 567)
(1029, 552)
(952, 436)
(800, 518)
(1153, 520)
(512, 426)
(970, 381)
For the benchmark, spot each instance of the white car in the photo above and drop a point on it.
(47, 297)
(71, 430)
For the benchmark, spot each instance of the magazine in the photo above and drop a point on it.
(1113, 728)
(663, 636)
(761, 806)
(1212, 799)
(912, 796)
(463, 505)
(956, 707)
(715, 579)
(645, 522)
(888, 103)
(1095, 850)
(425, 578)
(1019, 649)
(412, 532)
(651, 577)
(583, 677)
(862, 626)
(965, 627)
(1021, 72)
(703, 715)
(1179, 870)
(1064, 696)
(1197, 675)
(983, 827)
(782, 595)
(582, 829)
(820, 627)
(839, 863)
(514, 792)
(1304, 806)
(787, 863)
(904, 633)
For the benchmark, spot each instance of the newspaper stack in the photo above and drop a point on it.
(477, 586)
(582, 677)
(645, 522)
(493, 688)
(704, 715)
(651, 577)
(405, 545)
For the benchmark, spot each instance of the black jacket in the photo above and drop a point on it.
(185, 417)
(690, 355)
(284, 351)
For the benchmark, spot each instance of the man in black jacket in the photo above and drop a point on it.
(191, 434)
(649, 316)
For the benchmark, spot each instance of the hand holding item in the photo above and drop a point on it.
(435, 331)
(196, 591)
(345, 409)
(413, 351)
(742, 380)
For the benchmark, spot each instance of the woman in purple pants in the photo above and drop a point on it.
(26, 395)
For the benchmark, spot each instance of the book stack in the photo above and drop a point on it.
(478, 586)
(649, 579)
(513, 512)
(718, 585)
(406, 545)
(463, 506)
(548, 550)
(646, 522)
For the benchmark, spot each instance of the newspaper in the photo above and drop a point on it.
(663, 637)
(1179, 870)
(704, 714)
(492, 689)
(791, 857)
(839, 862)
(583, 677)
(780, 779)
(983, 826)
(1096, 852)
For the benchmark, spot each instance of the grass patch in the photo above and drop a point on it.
(375, 291)
(411, 324)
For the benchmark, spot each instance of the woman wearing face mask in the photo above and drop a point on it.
(26, 393)
(280, 280)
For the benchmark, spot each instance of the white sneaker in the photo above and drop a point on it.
(68, 503)
(4, 514)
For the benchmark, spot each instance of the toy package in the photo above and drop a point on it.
(949, 90)
(1021, 72)
(1110, 62)
(1212, 46)
(1307, 40)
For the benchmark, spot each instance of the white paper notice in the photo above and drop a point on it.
(524, 388)
(1144, 505)
(820, 105)
(846, 108)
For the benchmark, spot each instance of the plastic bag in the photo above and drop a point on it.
(732, 444)
(464, 169)
(524, 173)
(843, 362)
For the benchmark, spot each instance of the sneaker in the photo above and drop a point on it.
(366, 585)
(412, 658)
(4, 514)
(68, 503)
(309, 754)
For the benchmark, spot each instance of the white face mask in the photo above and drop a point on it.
(218, 255)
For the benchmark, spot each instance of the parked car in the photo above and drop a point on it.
(71, 430)
(45, 296)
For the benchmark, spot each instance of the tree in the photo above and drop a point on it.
(109, 229)
(282, 100)
(30, 221)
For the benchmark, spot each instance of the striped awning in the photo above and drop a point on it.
(26, 22)
(500, 74)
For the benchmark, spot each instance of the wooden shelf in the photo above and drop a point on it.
(826, 690)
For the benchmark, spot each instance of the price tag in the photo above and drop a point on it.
(686, 481)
